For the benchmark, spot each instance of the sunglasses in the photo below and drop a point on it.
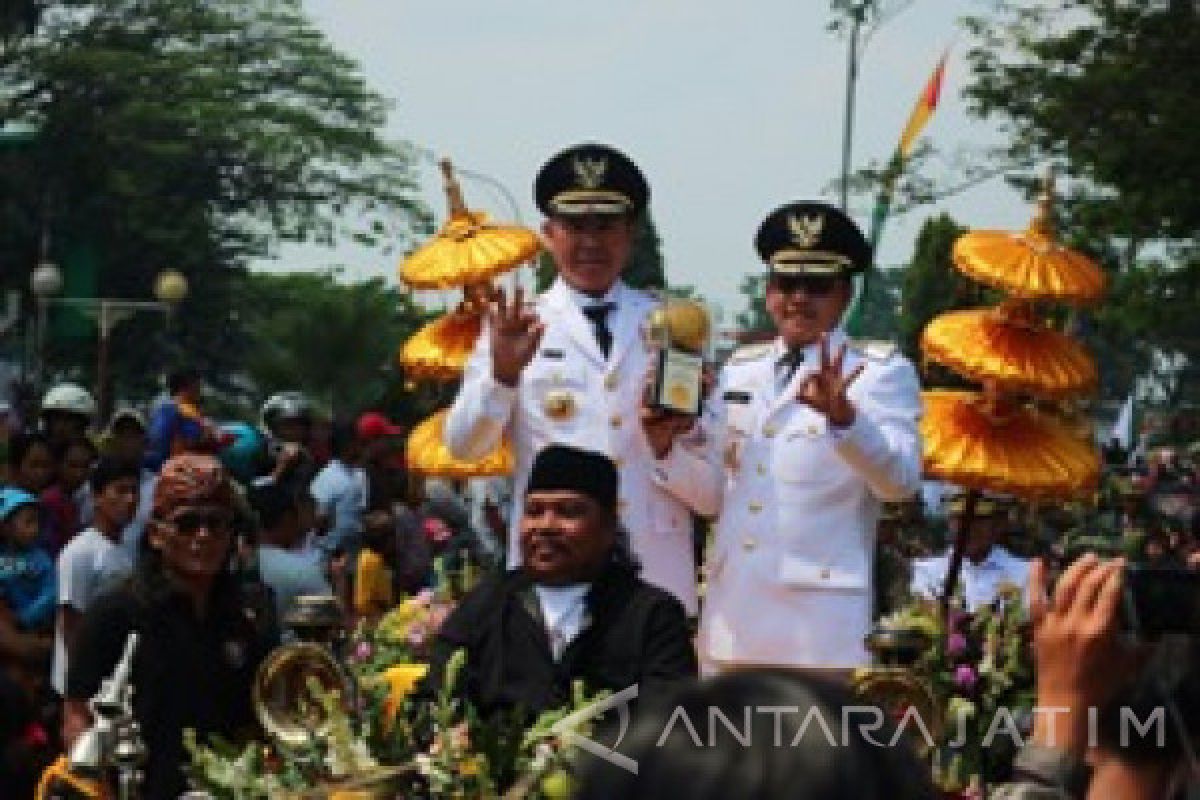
(812, 285)
(591, 223)
(189, 523)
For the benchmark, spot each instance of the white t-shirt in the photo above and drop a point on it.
(90, 564)
(341, 495)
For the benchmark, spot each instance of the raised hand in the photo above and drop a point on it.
(825, 389)
(515, 332)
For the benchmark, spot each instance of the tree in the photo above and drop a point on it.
(645, 269)
(266, 133)
(930, 284)
(1110, 98)
(754, 318)
(335, 341)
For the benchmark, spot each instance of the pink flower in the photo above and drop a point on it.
(363, 651)
(965, 677)
(436, 531)
(956, 645)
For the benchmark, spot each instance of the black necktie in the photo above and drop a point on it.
(788, 364)
(598, 316)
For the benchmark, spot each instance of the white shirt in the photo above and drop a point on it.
(90, 564)
(980, 583)
(563, 610)
(341, 495)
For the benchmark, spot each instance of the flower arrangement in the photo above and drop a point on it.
(980, 670)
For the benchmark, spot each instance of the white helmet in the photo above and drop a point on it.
(69, 398)
(285, 405)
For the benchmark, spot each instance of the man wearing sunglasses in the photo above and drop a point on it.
(569, 367)
(806, 436)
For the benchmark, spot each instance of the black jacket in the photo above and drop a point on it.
(635, 634)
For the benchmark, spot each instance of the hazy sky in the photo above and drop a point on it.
(730, 109)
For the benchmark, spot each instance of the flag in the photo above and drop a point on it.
(926, 105)
(923, 110)
(1122, 429)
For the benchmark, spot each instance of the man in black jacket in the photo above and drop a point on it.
(575, 610)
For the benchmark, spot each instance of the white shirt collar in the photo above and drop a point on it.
(613, 295)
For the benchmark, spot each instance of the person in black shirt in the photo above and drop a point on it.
(576, 608)
(198, 649)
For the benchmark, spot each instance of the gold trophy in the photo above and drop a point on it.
(678, 329)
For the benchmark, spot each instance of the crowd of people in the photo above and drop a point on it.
(81, 553)
(803, 463)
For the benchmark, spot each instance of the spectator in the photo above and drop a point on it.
(93, 561)
(340, 490)
(178, 424)
(1083, 664)
(373, 578)
(66, 412)
(30, 462)
(197, 650)
(27, 583)
(288, 573)
(125, 440)
(67, 502)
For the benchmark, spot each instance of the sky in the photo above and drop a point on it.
(731, 109)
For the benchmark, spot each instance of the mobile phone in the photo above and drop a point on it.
(1161, 600)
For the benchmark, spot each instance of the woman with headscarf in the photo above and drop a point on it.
(198, 646)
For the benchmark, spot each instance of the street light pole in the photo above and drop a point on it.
(859, 14)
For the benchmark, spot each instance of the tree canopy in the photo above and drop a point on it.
(170, 133)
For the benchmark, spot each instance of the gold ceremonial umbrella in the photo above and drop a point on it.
(468, 249)
(1017, 451)
(426, 454)
(998, 346)
(1031, 265)
(439, 351)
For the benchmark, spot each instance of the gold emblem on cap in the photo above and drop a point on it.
(590, 172)
(558, 404)
(806, 231)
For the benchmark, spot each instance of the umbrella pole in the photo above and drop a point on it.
(956, 554)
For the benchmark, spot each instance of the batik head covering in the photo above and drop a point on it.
(190, 479)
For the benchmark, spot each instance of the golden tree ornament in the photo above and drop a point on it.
(469, 248)
(1031, 264)
(970, 441)
(439, 351)
(1007, 347)
(426, 454)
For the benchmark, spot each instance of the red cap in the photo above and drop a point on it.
(373, 425)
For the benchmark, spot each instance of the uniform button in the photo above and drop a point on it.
(617, 462)
(769, 431)
(615, 422)
(755, 508)
(610, 382)
(813, 430)
(749, 543)
(762, 469)
(622, 505)
(825, 574)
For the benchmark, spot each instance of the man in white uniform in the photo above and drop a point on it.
(571, 368)
(986, 565)
(809, 433)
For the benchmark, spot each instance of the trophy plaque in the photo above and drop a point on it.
(678, 330)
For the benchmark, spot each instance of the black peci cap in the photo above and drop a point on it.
(562, 467)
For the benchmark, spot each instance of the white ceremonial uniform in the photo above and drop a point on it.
(980, 582)
(603, 398)
(789, 576)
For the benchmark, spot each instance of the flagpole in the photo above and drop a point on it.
(859, 13)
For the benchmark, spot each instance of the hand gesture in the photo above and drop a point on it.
(660, 426)
(515, 332)
(825, 389)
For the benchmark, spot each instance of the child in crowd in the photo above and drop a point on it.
(373, 578)
(27, 584)
(94, 561)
